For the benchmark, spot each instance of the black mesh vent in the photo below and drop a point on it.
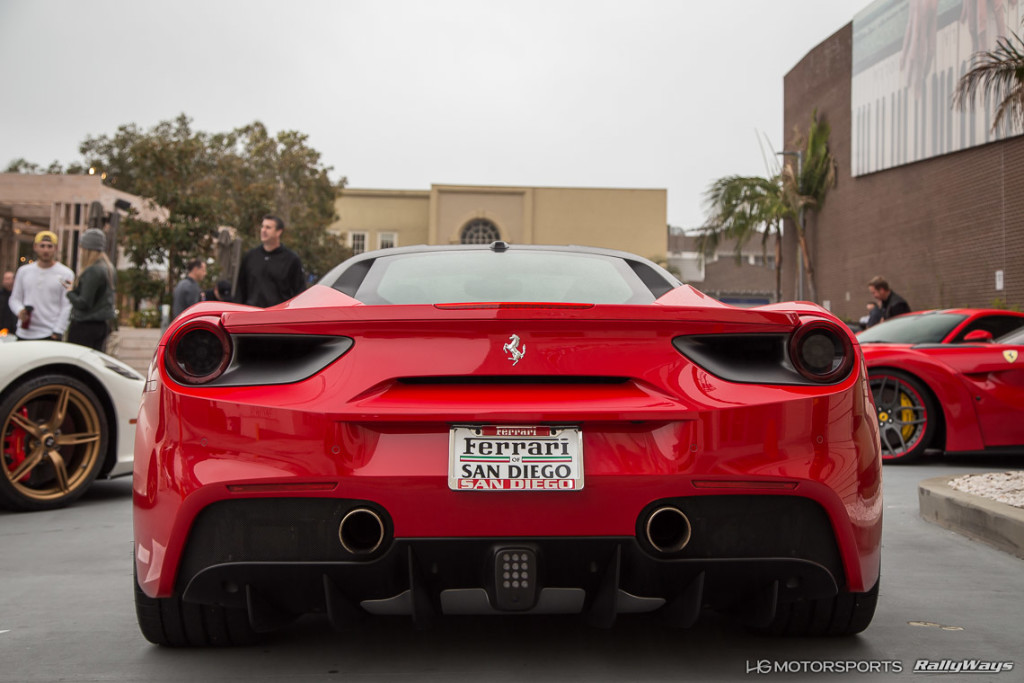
(515, 379)
(269, 530)
(755, 526)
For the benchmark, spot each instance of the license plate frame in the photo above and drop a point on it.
(515, 458)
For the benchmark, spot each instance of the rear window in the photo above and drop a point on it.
(479, 276)
(928, 328)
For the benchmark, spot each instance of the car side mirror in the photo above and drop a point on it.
(978, 336)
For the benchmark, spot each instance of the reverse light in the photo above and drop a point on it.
(199, 352)
(821, 352)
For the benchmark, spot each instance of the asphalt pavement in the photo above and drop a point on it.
(67, 614)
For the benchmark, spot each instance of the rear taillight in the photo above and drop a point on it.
(198, 352)
(821, 351)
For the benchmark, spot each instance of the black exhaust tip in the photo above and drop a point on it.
(667, 529)
(361, 531)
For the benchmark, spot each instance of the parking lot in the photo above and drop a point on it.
(66, 613)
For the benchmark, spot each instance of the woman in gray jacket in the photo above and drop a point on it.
(92, 297)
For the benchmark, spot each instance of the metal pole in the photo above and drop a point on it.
(800, 220)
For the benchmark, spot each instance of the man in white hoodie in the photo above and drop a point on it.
(39, 295)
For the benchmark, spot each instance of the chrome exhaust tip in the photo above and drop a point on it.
(361, 531)
(667, 529)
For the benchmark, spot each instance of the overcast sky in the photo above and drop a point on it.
(402, 94)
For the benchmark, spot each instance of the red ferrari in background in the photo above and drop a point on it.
(504, 429)
(940, 380)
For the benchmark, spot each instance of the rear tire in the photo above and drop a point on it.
(908, 416)
(844, 615)
(173, 622)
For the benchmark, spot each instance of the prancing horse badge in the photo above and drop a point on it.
(512, 347)
(1010, 355)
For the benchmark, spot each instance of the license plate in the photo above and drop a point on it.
(515, 458)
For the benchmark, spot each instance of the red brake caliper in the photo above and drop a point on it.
(14, 446)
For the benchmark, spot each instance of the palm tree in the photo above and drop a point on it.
(999, 72)
(806, 187)
(740, 207)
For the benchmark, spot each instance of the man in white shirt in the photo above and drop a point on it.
(39, 297)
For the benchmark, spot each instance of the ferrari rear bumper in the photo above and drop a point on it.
(279, 558)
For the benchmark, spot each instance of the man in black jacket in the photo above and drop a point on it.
(891, 303)
(270, 273)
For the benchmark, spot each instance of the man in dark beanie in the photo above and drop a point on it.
(222, 292)
(270, 273)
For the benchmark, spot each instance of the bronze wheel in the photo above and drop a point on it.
(54, 442)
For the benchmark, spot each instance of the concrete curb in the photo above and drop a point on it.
(993, 523)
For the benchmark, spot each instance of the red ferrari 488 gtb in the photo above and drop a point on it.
(504, 429)
(950, 380)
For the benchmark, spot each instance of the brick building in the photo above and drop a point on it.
(744, 279)
(946, 230)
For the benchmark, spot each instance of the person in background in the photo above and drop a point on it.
(8, 321)
(92, 296)
(187, 292)
(222, 292)
(38, 297)
(872, 317)
(891, 303)
(270, 273)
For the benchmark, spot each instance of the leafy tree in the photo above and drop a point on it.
(282, 176)
(172, 166)
(22, 165)
(807, 187)
(205, 181)
(741, 207)
(999, 73)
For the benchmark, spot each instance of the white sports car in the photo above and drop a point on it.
(68, 415)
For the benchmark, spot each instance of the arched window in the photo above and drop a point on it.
(480, 231)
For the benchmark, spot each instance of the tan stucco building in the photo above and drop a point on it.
(64, 204)
(632, 220)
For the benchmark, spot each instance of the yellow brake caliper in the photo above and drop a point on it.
(907, 415)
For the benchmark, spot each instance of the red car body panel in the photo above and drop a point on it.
(977, 387)
(355, 430)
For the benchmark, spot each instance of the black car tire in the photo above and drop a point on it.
(67, 456)
(844, 615)
(175, 623)
(896, 393)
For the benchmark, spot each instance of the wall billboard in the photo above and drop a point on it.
(908, 56)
